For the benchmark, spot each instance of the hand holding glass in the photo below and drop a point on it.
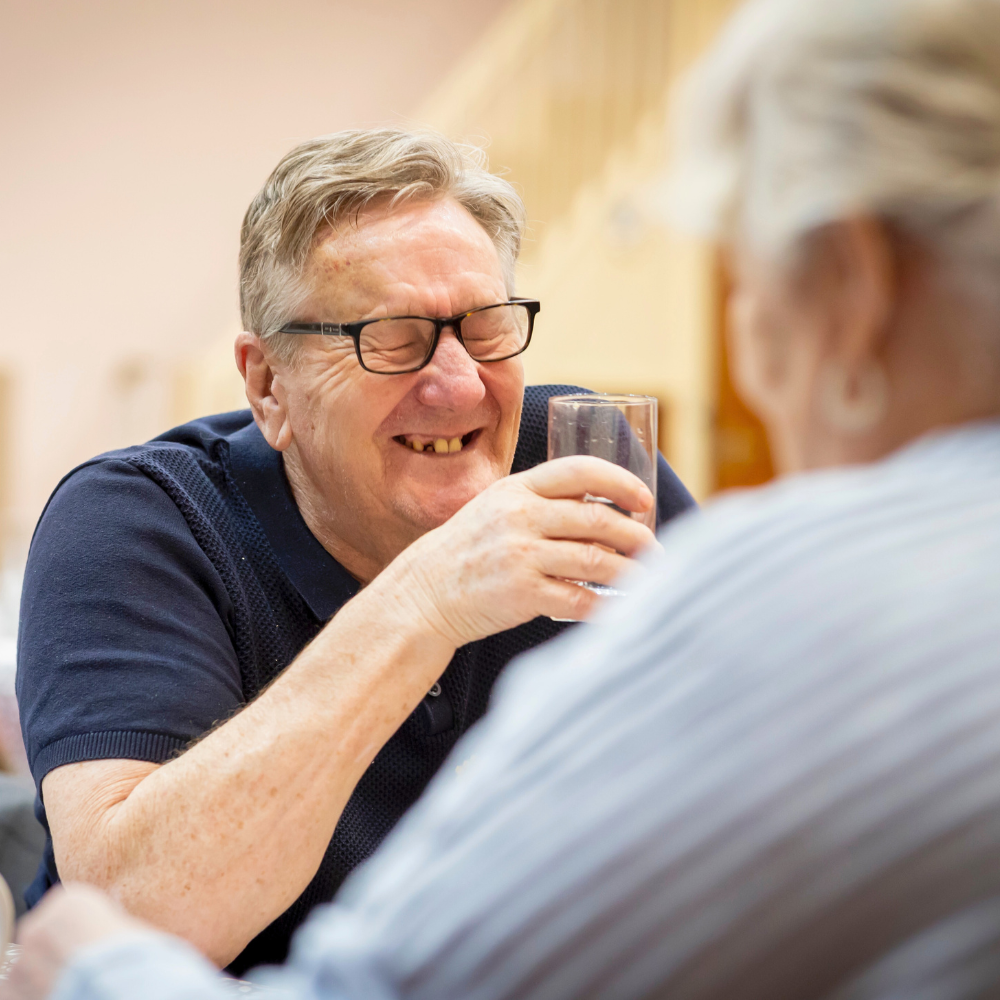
(619, 429)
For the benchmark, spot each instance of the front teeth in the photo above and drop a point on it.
(442, 446)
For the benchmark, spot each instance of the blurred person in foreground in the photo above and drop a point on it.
(246, 647)
(774, 771)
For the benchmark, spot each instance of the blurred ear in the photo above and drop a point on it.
(759, 330)
(267, 402)
(859, 282)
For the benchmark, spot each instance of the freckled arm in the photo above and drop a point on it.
(216, 844)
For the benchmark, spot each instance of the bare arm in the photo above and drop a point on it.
(219, 842)
(216, 844)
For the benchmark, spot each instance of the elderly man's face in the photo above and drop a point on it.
(353, 431)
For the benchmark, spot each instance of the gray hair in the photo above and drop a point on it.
(323, 181)
(807, 111)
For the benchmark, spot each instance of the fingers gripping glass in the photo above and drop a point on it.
(399, 344)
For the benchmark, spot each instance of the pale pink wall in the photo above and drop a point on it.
(133, 135)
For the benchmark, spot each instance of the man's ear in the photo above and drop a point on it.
(863, 289)
(264, 390)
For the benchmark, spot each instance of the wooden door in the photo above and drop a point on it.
(741, 456)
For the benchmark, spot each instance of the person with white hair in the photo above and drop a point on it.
(772, 772)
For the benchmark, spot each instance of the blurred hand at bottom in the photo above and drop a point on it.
(66, 921)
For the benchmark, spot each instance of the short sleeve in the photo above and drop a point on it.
(124, 648)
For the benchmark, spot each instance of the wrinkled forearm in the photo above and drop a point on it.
(216, 844)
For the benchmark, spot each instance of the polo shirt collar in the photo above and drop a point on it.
(260, 475)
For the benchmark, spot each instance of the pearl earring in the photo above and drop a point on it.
(853, 402)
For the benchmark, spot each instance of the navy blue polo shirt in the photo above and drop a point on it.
(168, 583)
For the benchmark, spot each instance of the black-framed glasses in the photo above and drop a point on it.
(396, 345)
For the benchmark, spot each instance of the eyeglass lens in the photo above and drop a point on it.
(397, 345)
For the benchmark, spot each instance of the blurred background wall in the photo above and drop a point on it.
(135, 132)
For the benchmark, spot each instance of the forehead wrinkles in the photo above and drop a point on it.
(423, 227)
(402, 258)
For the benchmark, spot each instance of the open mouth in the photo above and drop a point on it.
(436, 445)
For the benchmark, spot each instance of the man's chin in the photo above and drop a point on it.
(427, 508)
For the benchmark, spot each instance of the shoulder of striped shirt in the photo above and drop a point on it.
(950, 455)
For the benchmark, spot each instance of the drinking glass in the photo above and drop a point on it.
(617, 428)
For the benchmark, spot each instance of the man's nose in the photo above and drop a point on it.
(451, 380)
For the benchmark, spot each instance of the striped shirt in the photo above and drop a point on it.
(772, 772)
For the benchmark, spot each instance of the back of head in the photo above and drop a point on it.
(808, 111)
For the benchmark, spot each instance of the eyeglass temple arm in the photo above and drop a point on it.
(533, 304)
(326, 329)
